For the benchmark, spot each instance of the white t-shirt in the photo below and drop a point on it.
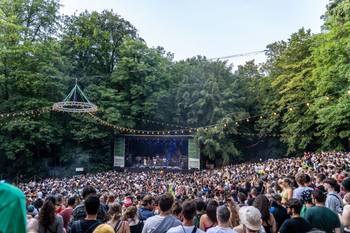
(218, 229)
(151, 223)
(184, 229)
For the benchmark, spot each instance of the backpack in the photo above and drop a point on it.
(340, 202)
(50, 231)
(193, 231)
(119, 225)
(163, 227)
(77, 226)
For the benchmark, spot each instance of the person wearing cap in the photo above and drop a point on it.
(223, 215)
(31, 211)
(32, 222)
(188, 213)
(296, 223)
(127, 202)
(146, 211)
(306, 198)
(250, 220)
(321, 217)
(333, 201)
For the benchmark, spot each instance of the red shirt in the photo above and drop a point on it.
(66, 215)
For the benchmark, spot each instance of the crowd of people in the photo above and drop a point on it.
(303, 194)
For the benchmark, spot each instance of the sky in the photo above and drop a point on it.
(213, 28)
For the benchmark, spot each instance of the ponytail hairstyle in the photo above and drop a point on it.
(115, 212)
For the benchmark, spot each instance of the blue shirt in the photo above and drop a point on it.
(144, 214)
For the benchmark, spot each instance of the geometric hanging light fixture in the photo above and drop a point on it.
(75, 101)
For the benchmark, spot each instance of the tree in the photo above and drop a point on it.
(141, 78)
(91, 42)
(331, 77)
(29, 73)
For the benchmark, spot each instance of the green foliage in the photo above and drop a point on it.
(42, 53)
(140, 79)
(91, 42)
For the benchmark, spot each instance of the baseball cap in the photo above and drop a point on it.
(30, 209)
(127, 202)
(306, 195)
(250, 217)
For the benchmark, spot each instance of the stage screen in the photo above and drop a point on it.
(156, 152)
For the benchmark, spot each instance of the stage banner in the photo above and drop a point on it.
(119, 152)
(193, 154)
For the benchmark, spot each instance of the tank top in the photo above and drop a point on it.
(207, 227)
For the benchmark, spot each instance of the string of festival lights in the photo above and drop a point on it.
(26, 112)
(169, 132)
(162, 123)
(20, 120)
(205, 128)
(181, 131)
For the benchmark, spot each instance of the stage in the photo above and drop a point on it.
(156, 152)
